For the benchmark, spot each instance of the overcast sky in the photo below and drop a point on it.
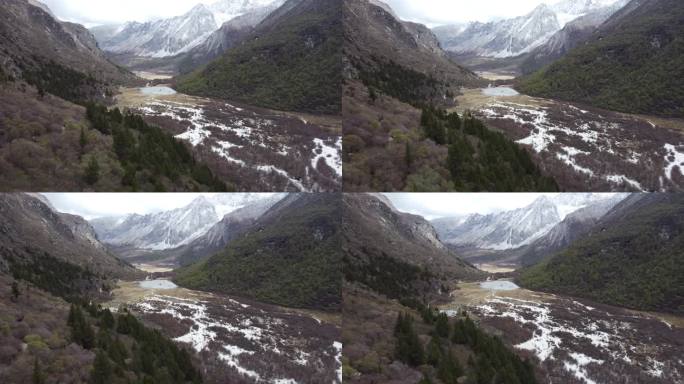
(438, 12)
(436, 205)
(95, 12)
(92, 205)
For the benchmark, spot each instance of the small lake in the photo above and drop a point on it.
(157, 91)
(500, 91)
(158, 284)
(499, 285)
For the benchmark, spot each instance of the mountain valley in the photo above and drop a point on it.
(519, 77)
(263, 141)
(218, 331)
(574, 310)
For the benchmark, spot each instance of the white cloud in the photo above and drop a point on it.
(438, 12)
(95, 12)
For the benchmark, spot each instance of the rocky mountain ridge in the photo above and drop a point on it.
(513, 37)
(179, 34)
(171, 229)
(513, 229)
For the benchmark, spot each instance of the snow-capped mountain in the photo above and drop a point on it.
(519, 35)
(515, 228)
(172, 36)
(170, 229)
(571, 35)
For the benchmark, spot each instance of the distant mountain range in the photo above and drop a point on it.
(520, 35)
(174, 228)
(180, 34)
(516, 228)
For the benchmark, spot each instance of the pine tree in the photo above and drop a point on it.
(92, 171)
(38, 375)
(372, 95)
(442, 325)
(106, 319)
(434, 351)
(83, 140)
(408, 348)
(408, 156)
(15, 291)
(102, 369)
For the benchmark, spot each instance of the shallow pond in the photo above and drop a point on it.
(158, 284)
(157, 91)
(499, 285)
(499, 91)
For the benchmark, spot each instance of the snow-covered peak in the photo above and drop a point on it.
(514, 228)
(179, 34)
(170, 229)
(226, 10)
(519, 35)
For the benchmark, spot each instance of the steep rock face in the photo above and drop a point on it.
(394, 253)
(576, 225)
(230, 227)
(506, 38)
(231, 33)
(633, 257)
(513, 229)
(36, 47)
(180, 34)
(36, 237)
(165, 37)
(82, 229)
(374, 36)
(546, 31)
(290, 256)
(573, 34)
(505, 230)
(170, 229)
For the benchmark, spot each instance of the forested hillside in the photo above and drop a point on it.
(397, 133)
(291, 257)
(395, 269)
(292, 62)
(632, 259)
(394, 146)
(633, 64)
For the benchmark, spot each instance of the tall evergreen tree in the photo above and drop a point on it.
(102, 369)
(38, 376)
(92, 171)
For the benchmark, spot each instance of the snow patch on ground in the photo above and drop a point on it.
(329, 153)
(673, 158)
(577, 368)
(338, 359)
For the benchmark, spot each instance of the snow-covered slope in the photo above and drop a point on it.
(515, 228)
(172, 36)
(519, 35)
(170, 229)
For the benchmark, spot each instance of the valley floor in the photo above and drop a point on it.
(577, 341)
(252, 148)
(587, 149)
(240, 341)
